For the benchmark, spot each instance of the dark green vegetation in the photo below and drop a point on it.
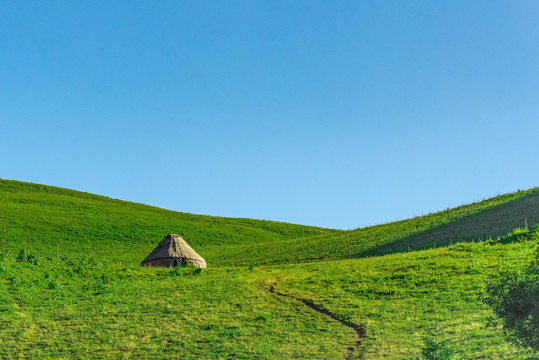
(436, 346)
(71, 287)
(514, 296)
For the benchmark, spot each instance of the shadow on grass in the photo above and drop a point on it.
(496, 222)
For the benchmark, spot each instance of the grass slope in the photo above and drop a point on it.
(398, 297)
(45, 219)
(84, 309)
(489, 218)
(64, 309)
(94, 301)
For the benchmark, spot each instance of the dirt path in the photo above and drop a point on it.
(360, 332)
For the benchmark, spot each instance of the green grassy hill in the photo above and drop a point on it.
(92, 300)
(45, 219)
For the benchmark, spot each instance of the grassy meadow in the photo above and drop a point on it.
(71, 286)
(62, 309)
(396, 297)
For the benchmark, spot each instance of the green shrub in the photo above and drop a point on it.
(25, 256)
(436, 346)
(514, 298)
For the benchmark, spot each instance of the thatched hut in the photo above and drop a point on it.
(173, 251)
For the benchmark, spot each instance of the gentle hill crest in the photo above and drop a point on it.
(93, 225)
(47, 218)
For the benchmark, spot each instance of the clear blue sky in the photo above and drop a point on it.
(339, 114)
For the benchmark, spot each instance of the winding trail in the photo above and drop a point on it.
(359, 330)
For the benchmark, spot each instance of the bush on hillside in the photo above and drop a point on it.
(521, 234)
(25, 256)
(436, 346)
(514, 298)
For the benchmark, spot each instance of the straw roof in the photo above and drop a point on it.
(170, 248)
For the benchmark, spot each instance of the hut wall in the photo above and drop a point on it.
(158, 263)
(168, 263)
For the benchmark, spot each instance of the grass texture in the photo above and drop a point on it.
(71, 286)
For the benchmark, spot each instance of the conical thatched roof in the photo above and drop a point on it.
(173, 247)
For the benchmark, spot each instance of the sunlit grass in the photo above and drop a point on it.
(400, 297)
(71, 286)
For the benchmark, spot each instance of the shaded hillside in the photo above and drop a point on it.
(50, 220)
(492, 217)
(491, 223)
